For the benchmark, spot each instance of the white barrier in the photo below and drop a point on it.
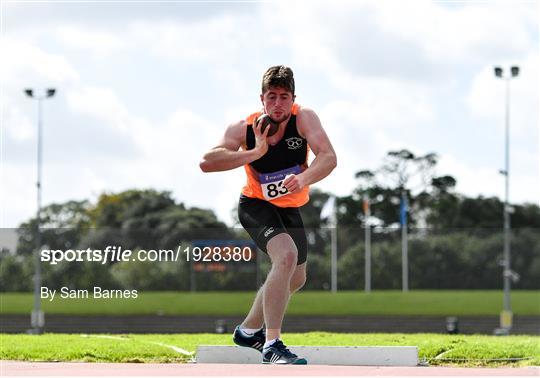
(316, 355)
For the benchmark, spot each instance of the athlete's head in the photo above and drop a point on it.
(278, 92)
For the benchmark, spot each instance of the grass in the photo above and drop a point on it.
(445, 350)
(441, 302)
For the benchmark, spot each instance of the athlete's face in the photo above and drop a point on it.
(277, 103)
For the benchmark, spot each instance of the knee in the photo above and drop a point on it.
(283, 253)
(287, 259)
(297, 282)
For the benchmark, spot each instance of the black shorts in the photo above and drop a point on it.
(262, 221)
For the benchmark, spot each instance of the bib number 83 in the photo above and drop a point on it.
(272, 183)
(275, 190)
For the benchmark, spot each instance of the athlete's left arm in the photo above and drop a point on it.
(309, 126)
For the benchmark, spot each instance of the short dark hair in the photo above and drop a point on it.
(280, 77)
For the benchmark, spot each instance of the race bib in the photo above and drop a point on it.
(272, 183)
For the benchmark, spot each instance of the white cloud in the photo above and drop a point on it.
(18, 196)
(215, 40)
(23, 127)
(96, 43)
(460, 33)
(24, 64)
(474, 180)
(102, 104)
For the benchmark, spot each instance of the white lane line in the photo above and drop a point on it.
(173, 347)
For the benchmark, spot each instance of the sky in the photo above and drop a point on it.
(144, 89)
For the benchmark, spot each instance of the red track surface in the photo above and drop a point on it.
(17, 368)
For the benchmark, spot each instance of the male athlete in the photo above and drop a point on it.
(278, 179)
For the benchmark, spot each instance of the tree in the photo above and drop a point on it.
(14, 272)
(401, 173)
(62, 226)
(150, 219)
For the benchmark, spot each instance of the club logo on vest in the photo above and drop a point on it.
(268, 232)
(294, 143)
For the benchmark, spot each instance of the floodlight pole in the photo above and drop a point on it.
(506, 315)
(38, 318)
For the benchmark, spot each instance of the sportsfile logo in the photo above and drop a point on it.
(113, 254)
(268, 232)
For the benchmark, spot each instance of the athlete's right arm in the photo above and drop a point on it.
(226, 154)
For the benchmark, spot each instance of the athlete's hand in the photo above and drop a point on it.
(294, 183)
(261, 144)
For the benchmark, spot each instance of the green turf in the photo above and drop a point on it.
(470, 350)
(443, 302)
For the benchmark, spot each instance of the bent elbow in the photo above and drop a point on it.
(205, 167)
(333, 161)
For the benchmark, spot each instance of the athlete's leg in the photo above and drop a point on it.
(284, 255)
(298, 278)
(292, 220)
(259, 218)
(265, 224)
(255, 318)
